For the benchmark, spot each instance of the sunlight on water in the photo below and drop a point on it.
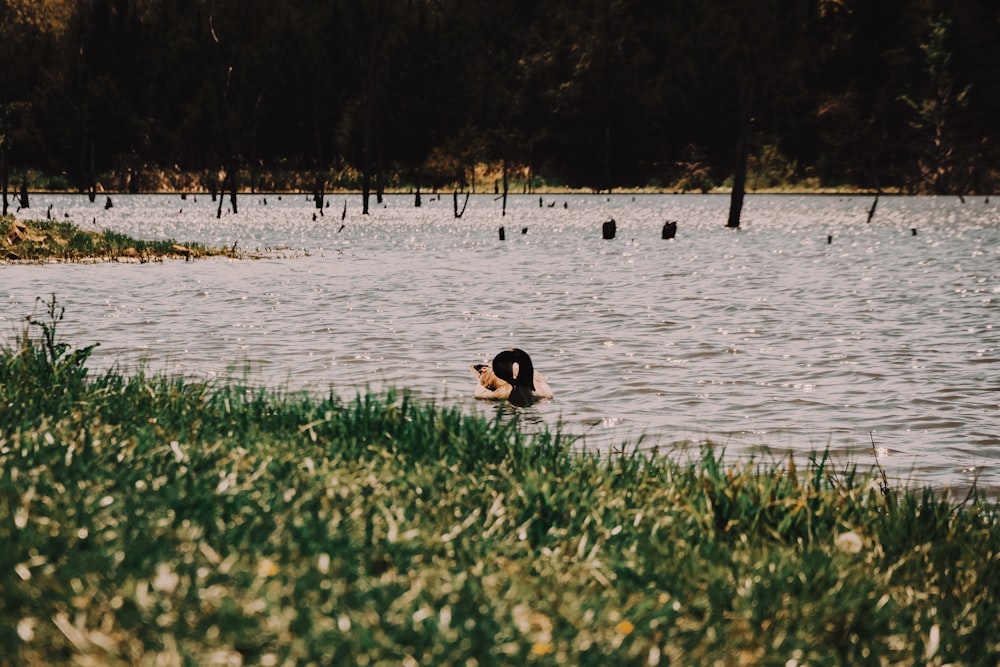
(806, 329)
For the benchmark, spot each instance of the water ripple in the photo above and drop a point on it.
(806, 329)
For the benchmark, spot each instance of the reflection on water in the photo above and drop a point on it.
(766, 339)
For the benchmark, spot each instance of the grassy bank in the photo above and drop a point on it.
(50, 240)
(154, 520)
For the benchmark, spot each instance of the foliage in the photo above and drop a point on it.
(942, 159)
(589, 94)
(150, 519)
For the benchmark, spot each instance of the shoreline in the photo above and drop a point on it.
(488, 180)
(792, 192)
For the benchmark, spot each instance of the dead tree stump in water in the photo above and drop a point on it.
(871, 211)
(742, 156)
(458, 214)
(608, 229)
(669, 229)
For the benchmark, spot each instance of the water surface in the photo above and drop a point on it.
(807, 329)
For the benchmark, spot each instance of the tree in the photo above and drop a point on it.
(946, 162)
(597, 93)
(27, 32)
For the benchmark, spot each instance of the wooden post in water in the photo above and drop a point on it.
(669, 229)
(503, 236)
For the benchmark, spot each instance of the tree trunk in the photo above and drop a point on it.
(231, 181)
(88, 181)
(232, 176)
(92, 177)
(82, 183)
(91, 171)
(319, 164)
(254, 168)
(366, 186)
(234, 182)
(742, 155)
(379, 158)
(607, 155)
(319, 191)
(369, 123)
(459, 214)
(366, 169)
(503, 210)
(3, 174)
(222, 198)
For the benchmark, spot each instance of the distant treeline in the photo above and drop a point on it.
(894, 94)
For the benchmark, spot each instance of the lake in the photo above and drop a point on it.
(808, 329)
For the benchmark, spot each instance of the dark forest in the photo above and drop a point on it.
(895, 95)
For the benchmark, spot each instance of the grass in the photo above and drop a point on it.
(148, 520)
(43, 240)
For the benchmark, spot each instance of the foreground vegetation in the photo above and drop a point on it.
(149, 520)
(38, 240)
